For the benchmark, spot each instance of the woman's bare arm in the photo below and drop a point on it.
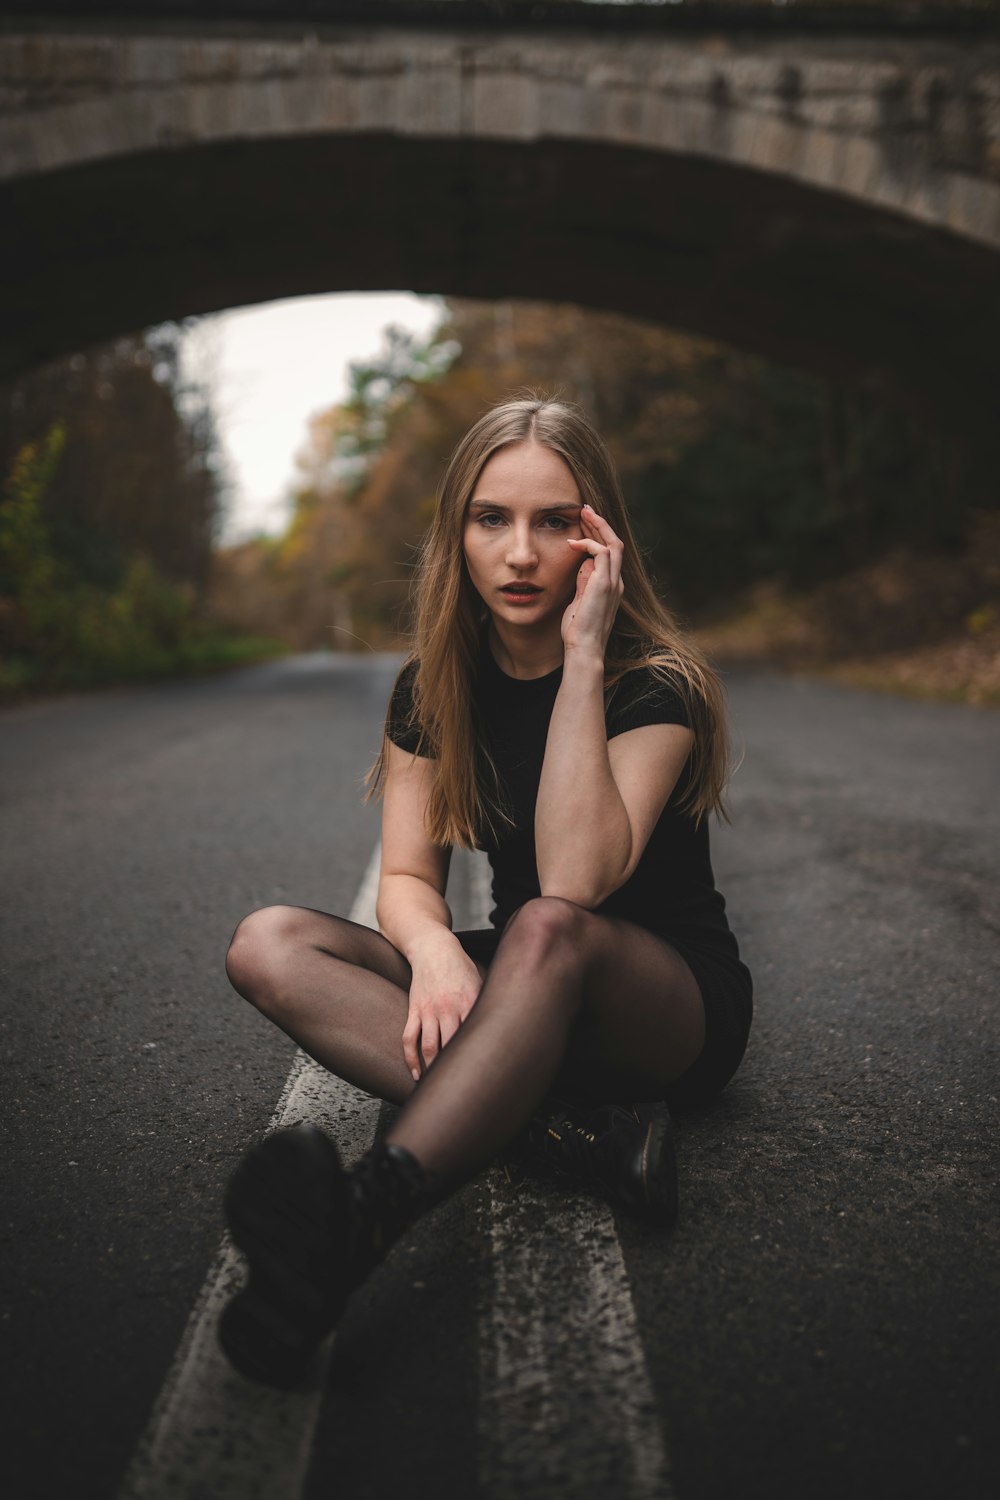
(598, 802)
(413, 914)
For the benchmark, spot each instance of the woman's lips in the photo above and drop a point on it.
(520, 592)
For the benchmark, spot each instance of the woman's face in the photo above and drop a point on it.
(524, 507)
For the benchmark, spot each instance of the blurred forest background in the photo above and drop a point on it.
(113, 492)
(813, 525)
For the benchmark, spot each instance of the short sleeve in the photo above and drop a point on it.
(401, 724)
(644, 697)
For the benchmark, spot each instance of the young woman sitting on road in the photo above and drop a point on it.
(552, 714)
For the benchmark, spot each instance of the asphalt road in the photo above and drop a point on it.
(823, 1322)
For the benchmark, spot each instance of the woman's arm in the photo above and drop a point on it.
(413, 914)
(598, 802)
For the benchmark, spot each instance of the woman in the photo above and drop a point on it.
(553, 715)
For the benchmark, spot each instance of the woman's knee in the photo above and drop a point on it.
(257, 955)
(551, 928)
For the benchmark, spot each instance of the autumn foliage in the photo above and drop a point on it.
(758, 493)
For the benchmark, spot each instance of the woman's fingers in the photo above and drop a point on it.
(424, 1036)
(411, 1038)
(589, 517)
(430, 1039)
(450, 1023)
(608, 538)
(602, 557)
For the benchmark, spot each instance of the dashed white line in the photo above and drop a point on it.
(212, 1434)
(565, 1402)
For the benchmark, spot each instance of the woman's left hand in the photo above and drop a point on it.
(588, 620)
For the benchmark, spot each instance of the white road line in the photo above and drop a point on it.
(212, 1434)
(565, 1401)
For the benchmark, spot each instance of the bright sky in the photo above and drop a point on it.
(270, 367)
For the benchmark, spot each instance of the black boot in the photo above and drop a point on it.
(310, 1232)
(623, 1153)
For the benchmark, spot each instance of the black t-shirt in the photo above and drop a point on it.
(672, 889)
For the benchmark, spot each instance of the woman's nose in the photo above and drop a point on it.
(520, 549)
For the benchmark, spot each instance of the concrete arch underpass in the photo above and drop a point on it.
(832, 202)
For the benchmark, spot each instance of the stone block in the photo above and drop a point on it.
(973, 208)
(338, 102)
(307, 103)
(685, 70)
(777, 145)
(87, 63)
(858, 113)
(722, 131)
(745, 124)
(619, 115)
(149, 61)
(222, 111)
(168, 116)
(751, 76)
(93, 129)
(562, 107)
(218, 61)
(559, 61)
(695, 120)
(18, 147)
(819, 161)
(47, 146)
(859, 163)
(661, 120)
(13, 101)
(376, 102)
(830, 75)
(505, 105)
(892, 180)
(252, 109)
(430, 101)
(927, 199)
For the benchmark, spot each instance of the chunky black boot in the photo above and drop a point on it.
(623, 1153)
(310, 1232)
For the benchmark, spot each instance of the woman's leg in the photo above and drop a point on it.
(610, 1005)
(339, 989)
(593, 1003)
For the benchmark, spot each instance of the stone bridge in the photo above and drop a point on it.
(825, 194)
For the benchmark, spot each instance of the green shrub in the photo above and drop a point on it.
(58, 630)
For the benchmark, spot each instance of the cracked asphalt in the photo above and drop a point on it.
(823, 1321)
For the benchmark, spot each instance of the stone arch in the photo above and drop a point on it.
(778, 196)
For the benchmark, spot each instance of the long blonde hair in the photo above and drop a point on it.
(450, 616)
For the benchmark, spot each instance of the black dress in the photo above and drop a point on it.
(672, 891)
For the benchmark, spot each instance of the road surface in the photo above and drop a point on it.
(823, 1322)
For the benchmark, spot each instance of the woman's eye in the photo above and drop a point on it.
(558, 523)
(487, 519)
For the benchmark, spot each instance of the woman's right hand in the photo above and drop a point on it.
(444, 988)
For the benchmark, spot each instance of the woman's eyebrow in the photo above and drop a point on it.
(495, 505)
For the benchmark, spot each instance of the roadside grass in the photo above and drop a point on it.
(926, 627)
(23, 678)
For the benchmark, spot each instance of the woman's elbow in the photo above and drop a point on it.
(589, 886)
(572, 886)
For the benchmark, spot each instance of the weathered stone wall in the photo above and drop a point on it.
(831, 201)
(908, 124)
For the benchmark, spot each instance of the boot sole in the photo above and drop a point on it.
(287, 1208)
(658, 1174)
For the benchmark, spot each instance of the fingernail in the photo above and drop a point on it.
(416, 1075)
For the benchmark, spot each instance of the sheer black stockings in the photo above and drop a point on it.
(573, 1002)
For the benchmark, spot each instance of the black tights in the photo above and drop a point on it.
(589, 1005)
